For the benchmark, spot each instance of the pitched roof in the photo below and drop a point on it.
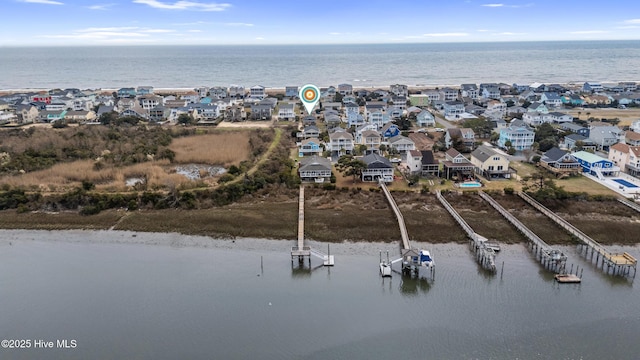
(374, 161)
(452, 152)
(632, 135)
(623, 148)
(315, 162)
(400, 138)
(483, 153)
(427, 157)
(553, 154)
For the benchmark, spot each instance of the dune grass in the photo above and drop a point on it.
(221, 148)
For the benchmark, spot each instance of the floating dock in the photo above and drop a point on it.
(485, 252)
(567, 279)
(412, 259)
(301, 251)
(552, 259)
(611, 263)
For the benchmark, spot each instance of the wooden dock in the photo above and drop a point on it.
(485, 255)
(611, 263)
(567, 279)
(300, 250)
(552, 259)
(403, 228)
(635, 206)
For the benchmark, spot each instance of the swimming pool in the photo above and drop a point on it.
(470, 184)
(625, 183)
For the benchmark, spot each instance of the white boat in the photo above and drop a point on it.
(385, 269)
(426, 259)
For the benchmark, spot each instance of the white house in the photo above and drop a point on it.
(285, 112)
(341, 142)
(425, 118)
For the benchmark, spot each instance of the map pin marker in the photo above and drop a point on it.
(310, 95)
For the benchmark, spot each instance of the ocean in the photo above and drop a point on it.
(363, 65)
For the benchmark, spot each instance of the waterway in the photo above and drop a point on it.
(167, 296)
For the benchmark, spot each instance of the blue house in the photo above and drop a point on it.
(575, 100)
(126, 92)
(389, 130)
(309, 147)
(595, 165)
(291, 91)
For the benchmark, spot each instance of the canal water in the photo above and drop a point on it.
(123, 295)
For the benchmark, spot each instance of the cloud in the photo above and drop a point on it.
(184, 5)
(508, 33)
(587, 32)
(445, 34)
(46, 2)
(194, 31)
(192, 23)
(483, 30)
(632, 21)
(498, 5)
(111, 34)
(628, 27)
(100, 6)
(238, 24)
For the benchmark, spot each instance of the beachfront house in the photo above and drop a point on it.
(518, 135)
(261, 112)
(26, 114)
(315, 168)
(125, 93)
(490, 163)
(378, 168)
(560, 162)
(399, 90)
(469, 91)
(257, 92)
(291, 91)
(626, 157)
(595, 165)
(490, 92)
(592, 87)
(345, 89)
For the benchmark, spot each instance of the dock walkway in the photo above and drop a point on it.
(633, 205)
(300, 250)
(619, 263)
(552, 259)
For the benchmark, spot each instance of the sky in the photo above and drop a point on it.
(248, 22)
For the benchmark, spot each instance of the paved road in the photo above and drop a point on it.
(445, 123)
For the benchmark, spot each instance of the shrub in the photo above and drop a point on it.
(509, 191)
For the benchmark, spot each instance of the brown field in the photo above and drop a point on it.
(626, 116)
(227, 148)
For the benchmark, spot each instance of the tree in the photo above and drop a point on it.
(382, 148)
(545, 131)
(186, 119)
(348, 165)
(108, 118)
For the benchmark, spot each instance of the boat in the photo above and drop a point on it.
(426, 259)
(385, 269)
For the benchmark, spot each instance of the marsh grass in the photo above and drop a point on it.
(222, 148)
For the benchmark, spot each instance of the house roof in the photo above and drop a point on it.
(375, 161)
(632, 135)
(554, 154)
(588, 157)
(427, 157)
(341, 135)
(576, 137)
(452, 152)
(624, 148)
(310, 140)
(310, 128)
(483, 153)
(315, 162)
(454, 132)
(370, 133)
(400, 139)
(388, 126)
(571, 126)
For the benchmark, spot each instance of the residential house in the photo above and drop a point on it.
(206, 113)
(191, 97)
(126, 93)
(605, 136)
(519, 88)
(135, 111)
(453, 110)
(401, 144)
(497, 106)
(56, 105)
(560, 162)
(361, 129)
(414, 161)
(150, 101)
(573, 100)
(257, 92)
(372, 140)
(310, 146)
(315, 168)
(449, 94)
(490, 163)
(378, 118)
(261, 112)
(237, 91)
(389, 130)
(575, 128)
(432, 95)
(355, 119)
(551, 99)
(235, 113)
(310, 131)
(624, 99)
(457, 166)
(576, 142)
(538, 107)
(348, 99)
(629, 85)
(333, 120)
(632, 138)
(42, 96)
(395, 112)
(82, 116)
(202, 91)
(285, 112)
(518, 134)
(159, 113)
(469, 91)
(626, 157)
(52, 116)
(535, 118)
(559, 117)
(341, 142)
(345, 89)
(592, 87)
(491, 92)
(351, 108)
(597, 100)
(425, 118)
(218, 92)
(465, 135)
(399, 90)
(7, 117)
(378, 168)
(430, 166)
(595, 165)
(26, 114)
(144, 90)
